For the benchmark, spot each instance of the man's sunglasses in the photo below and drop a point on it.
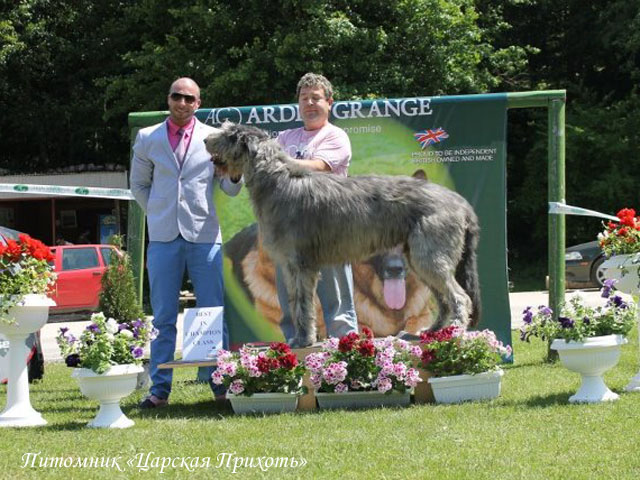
(176, 97)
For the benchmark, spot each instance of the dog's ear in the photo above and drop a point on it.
(420, 174)
(250, 137)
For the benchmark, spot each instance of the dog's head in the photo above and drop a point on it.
(232, 145)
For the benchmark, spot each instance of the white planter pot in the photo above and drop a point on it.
(108, 388)
(624, 268)
(263, 403)
(366, 399)
(591, 359)
(29, 316)
(463, 388)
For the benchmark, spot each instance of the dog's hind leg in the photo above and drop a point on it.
(436, 269)
(301, 285)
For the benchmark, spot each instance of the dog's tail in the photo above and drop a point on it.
(467, 270)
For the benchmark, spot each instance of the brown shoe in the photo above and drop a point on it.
(151, 401)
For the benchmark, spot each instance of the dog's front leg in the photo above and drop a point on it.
(304, 314)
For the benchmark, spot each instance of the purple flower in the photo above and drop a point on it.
(137, 352)
(608, 286)
(94, 328)
(544, 310)
(586, 320)
(617, 302)
(527, 316)
(72, 360)
(63, 330)
(566, 322)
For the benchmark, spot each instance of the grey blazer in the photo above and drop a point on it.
(176, 201)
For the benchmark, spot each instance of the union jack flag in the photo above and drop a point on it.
(429, 137)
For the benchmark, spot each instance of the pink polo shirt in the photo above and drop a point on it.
(174, 137)
(330, 144)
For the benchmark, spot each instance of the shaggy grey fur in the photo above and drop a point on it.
(309, 219)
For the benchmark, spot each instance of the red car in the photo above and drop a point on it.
(79, 269)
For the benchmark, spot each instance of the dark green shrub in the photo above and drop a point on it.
(118, 298)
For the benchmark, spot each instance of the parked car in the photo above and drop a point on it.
(582, 265)
(79, 269)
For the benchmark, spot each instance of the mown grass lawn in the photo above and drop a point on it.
(530, 432)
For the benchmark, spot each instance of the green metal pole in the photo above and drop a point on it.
(556, 173)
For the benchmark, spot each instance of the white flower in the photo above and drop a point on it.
(126, 333)
(112, 326)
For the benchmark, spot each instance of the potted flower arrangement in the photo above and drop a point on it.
(107, 356)
(357, 371)
(25, 278)
(259, 380)
(107, 360)
(587, 339)
(464, 364)
(620, 242)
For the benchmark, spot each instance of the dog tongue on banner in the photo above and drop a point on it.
(395, 293)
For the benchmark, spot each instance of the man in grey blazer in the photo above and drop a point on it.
(172, 179)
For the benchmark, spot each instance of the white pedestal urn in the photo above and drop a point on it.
(591, 358)
(263, 403)
(30, 315)
(465, 388)
(108, 388)
(625, 269)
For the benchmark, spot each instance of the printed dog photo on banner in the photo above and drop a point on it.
(388, 296)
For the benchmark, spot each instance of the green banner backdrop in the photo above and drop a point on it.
(457, 141)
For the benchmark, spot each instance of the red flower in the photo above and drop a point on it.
(347, 342)
(366, 348)
(36, 248)
(14, 250)
(266, 364)
(622, 232)
(627, 216)
(438, 336)
(427, 356)
(289, 361)
(279, 347)
(367, 332)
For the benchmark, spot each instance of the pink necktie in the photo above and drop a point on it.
(181, 148)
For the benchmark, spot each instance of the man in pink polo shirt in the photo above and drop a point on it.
(322, 147)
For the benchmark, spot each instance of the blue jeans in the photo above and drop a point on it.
(335, 291)
(166, 262)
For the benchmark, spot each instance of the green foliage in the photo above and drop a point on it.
(118, 297)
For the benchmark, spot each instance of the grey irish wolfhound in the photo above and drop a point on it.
(308, 220)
